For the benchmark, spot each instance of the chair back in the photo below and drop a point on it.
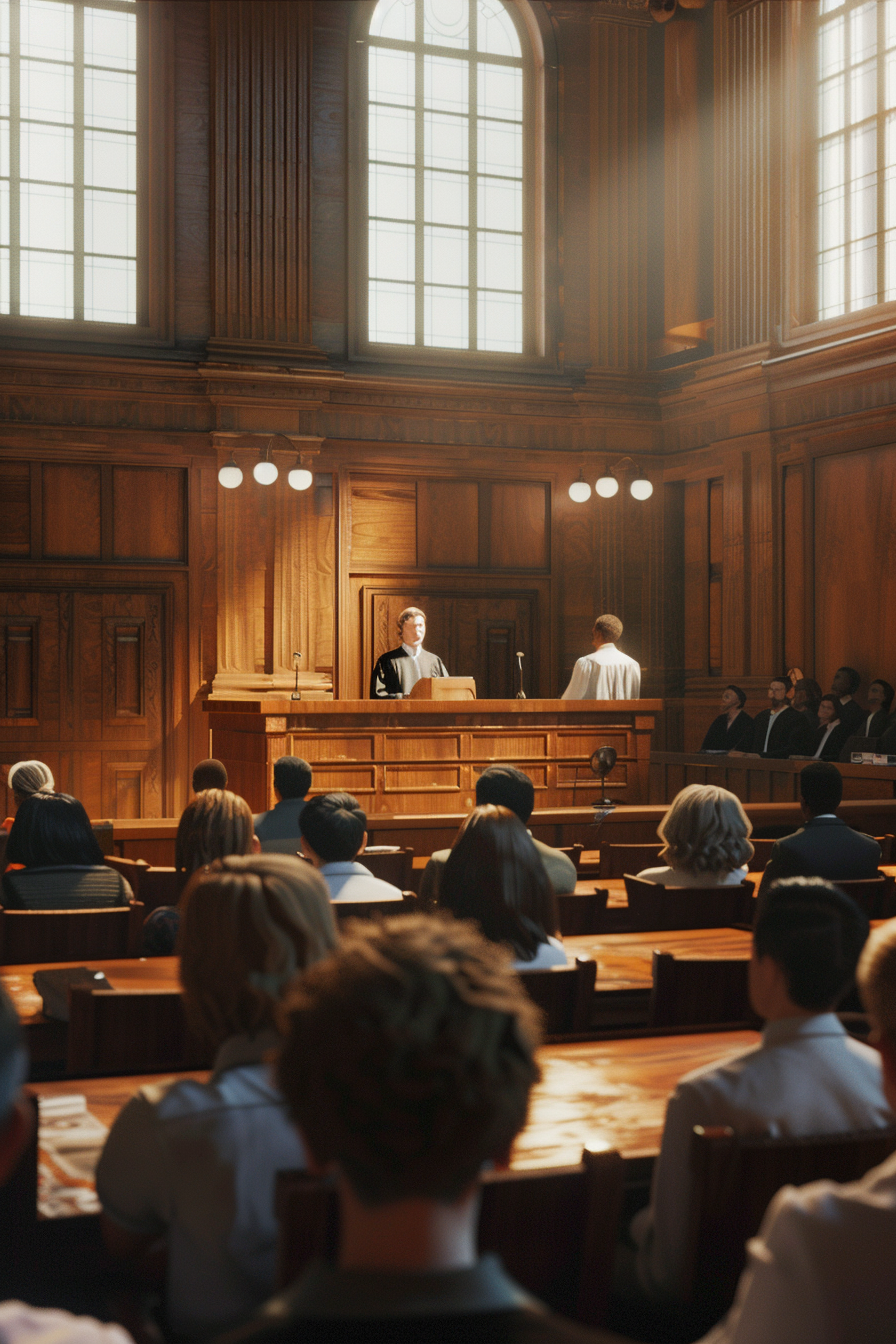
(554, 1229)
(290, 845)
(119, 1031)
(70, 935)
(104, 836)
(573, 852)
(581, 913)
(652, 906)
(698, 991)
(161, 886)
(565, 994)
(390, 865)
(408, 905)
(735, 1178)
(617, 860)
(130, 869)
(875, 895)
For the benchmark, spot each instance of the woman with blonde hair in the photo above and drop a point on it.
(216, 823)
(705, 836)
(195, 1163)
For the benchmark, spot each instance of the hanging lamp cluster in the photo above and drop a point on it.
(607, 485)
(266, 471)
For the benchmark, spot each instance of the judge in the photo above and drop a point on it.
(397, 672)
(606, 674)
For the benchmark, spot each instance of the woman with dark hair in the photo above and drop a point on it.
(806, 695)
(733, 729)
(494, 875)
(831, 733)
(880, 699)
(62, 863)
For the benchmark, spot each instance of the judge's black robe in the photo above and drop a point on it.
(394, 676)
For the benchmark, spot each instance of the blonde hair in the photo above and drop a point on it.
(409, 614)
(248, 925)
(27, 778)
(215, 824)
(706, 830)
(877, 978)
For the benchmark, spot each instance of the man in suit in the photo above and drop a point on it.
(505, 786)
(825, 846)
(844, 684)
(397, 672)
(278, 829)
(779, 731)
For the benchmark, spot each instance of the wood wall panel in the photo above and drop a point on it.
(520, 526)
(71, 511)
(448, 524)
(794, 575)
(384, 523)
(149, 513)
(696, 575)
(15, 492)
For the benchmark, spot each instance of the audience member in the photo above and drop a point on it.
(779, 731)
(334, 833)
(844, 684)
(505, 786)
(210, 774)
(821, 1269)
(705, 836)
(831, 734)
(196, 1162)
(806, 1077)
(495, 876)
(278, 829)
(216, 823)
(407, 1065)
(61, 862)
(806, 695)
(26, 778)
(825, 846)
(733, 729)
(880, 702)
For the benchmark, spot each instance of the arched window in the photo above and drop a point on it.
(449, 167)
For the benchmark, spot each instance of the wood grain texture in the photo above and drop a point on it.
(71, 511)
(149, 513)
(794, 576)
(448, 524)
(384, 523)
(15, 492)
(520, 526)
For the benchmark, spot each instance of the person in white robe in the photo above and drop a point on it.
(606, 674)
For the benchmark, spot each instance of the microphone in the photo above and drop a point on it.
(521, 694)
(297, 694)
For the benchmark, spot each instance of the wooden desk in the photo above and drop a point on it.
(625, 960)
(757, 780)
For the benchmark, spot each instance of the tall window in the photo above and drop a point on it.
(446, 180)
(68, 159)
(856, 155)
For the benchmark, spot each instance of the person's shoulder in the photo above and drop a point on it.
(21, 1324)
(655, 874)
(519, 1326)
(438, 857)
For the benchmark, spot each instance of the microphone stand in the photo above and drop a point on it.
(521, 694)
(297, 694)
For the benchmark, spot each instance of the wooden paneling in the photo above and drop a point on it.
(71, 511)
(448, 524)
(519, 526)
(149, 513)
(715, 574)
(15, 508)
(794, 577)
(696, 571)
(384, 523)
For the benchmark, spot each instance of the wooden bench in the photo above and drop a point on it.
(69, 935)
(115, 1031)
(653, 906)
(691, 992)
(565, 994)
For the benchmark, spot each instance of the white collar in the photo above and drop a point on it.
(412, 653)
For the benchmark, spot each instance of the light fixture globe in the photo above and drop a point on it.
(641, 488)
(230, 475)
(580, 491)
(607, 487)
(300, 478)
(265, 472)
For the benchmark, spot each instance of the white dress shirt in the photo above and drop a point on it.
(605, 674)
(550, 953)
(771, 720)
(353, 882)
(835, 723)
(806, 1077)
(414, 676)
(20, 1324)
(822, 1269)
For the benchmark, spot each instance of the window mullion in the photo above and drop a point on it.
(419, 193)
(847, 169)
(14, 158)
(78, 163)
(473, 191)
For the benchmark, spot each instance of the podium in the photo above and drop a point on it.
(443, 688)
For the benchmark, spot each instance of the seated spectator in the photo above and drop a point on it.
(210, 774)
(880, 703)
(61, 861)
(505, 786)
(806, 1077)
(195, 1163)
(334, 833)
(494, 875)
(779, 731)
(407, 1111)
(844, 684)
(26, 778)
(831, 734)
(278, 829)
(886, 744)
(705, 838)
(21, 1324)
(733, 729)
(821, 1269)
(215, 824)
(806, 695)
(825, 846)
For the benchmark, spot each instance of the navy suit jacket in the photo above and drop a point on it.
(282, 822)
(824, 847)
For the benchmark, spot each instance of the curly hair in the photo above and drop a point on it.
(408, 1056)
(216, 823)
(705, 830)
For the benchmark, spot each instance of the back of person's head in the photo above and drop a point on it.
(210, 774)
(889, 693)
(215, 824)
(741, 695)
(292, 777)
(408, 1058)
(51, 830)
(248, 925)
(505, 786)
(608, 627)
(821, 787)
(28, 777)
(815, 933)
(877, 980)
(13, 1056)
(334, 825)
(854, 679)
(494, 875)
(706, 831)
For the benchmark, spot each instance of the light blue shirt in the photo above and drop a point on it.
(353, 882)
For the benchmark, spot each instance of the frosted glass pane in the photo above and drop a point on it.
(391, 192)
(890, 264)
(890, 176)
(446, 317)
(4, 280)
(890, 79)
(110, 290)
(863, 32)
(390, 313)
(394, 19)
(46, 152)
(446, 141)
(831, 109)
(446, 23)
(831, 48)
(110, 160)
(391, 76)
(863, 187)
(500, 261)
(500, 322)
(4, 32)
(4, 86)
(826, 6)
(500, 149)
(500, 92)
(831, 163)
(45, 285)
(446, 198)
(46, 91)
(889, 23)
(110, 223)
(110, 39)
(46, 29)
(831, 283)
(4, 148)
(863, 276)
(391, 134)
(863, 91)
(110, 100)
(4, 214)
(45, 217)
(446, 84)
(445, 256)
(831, 219)
(390, 251)
(500, 203)
(496, 31)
